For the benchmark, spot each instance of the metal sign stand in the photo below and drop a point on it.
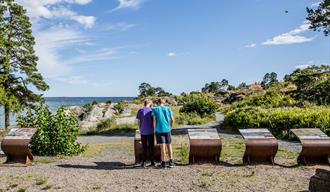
(260, 146)
(16, 147)
(205, 145)
(315, 146)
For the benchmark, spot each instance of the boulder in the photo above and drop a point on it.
(109, 113)
(320, 182)
(125, 121)
(77, 110)
(95, 114)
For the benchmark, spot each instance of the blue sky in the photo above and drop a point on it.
(107, 48)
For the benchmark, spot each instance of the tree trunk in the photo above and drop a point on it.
(7, 117)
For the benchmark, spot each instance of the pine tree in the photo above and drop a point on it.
(18, 60)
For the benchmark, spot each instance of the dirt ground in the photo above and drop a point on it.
(108, 166)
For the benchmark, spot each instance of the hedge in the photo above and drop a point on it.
(279, 120)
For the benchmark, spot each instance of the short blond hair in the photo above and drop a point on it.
(161, 100)
(147, 102)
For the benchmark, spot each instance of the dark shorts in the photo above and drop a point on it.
(164, 138)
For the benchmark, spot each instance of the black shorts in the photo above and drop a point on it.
(164, 138)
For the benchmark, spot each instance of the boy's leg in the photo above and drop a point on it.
(161, 141)
(163, 151)
(144, 142)
(151, 144)
(170, 151)
(168, 141)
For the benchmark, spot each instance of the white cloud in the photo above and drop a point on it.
(99, 55)
(309, 64)
(86, 21)
(118, 26)
(48, 9)
(49, 43)
(315, 5)
(171, 54)
(79, 80)
(302, 66)
(128, 4)
(251, 45)
(291, 37)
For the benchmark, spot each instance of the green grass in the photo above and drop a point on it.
(3, 133)
(134, 112)
(232, 150)
(47, 187)
(251, 174)
(116, 130)
(41, 181)
(207, 174)
(14, 185)
(181, 152)
(47, 159)
(96, 149)
(21, 190)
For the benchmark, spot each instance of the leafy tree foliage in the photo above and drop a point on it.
(57, 133)
(269, 80)
(320, 17)
(146, 90)
(217, 87)
(313, 84)
(120, 107)
(18, 61)
(224, 83)
(242, 85)
(200, 104)
(213, 87)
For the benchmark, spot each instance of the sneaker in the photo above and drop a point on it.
(143, 164)
(163, 165)
(171, 164)
(152, 164)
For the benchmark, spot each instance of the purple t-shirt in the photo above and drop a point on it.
(145, 117)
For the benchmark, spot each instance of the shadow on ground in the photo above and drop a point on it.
(102, 166)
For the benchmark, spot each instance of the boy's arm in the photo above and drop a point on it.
(172, 121)
(154, 122)
(172, 118)
(138, 119)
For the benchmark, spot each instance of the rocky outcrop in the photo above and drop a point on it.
(90, 117)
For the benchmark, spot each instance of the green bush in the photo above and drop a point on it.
(270, 98)
(201, 104)
(119, 107)
(279, 120)
(193, 119)
(57, 133)
(89, 106)
(105, 124)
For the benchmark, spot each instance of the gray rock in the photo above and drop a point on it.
(109, 113)
(320, 182)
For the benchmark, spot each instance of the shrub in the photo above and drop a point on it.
(57, 133)
(270, 98)
(193, 119)
(105, 124)
(119, 107)
(280, 120)
(200, 104)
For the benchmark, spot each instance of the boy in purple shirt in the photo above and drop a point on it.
(145, 122)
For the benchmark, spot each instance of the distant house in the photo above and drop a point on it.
(255, 86)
